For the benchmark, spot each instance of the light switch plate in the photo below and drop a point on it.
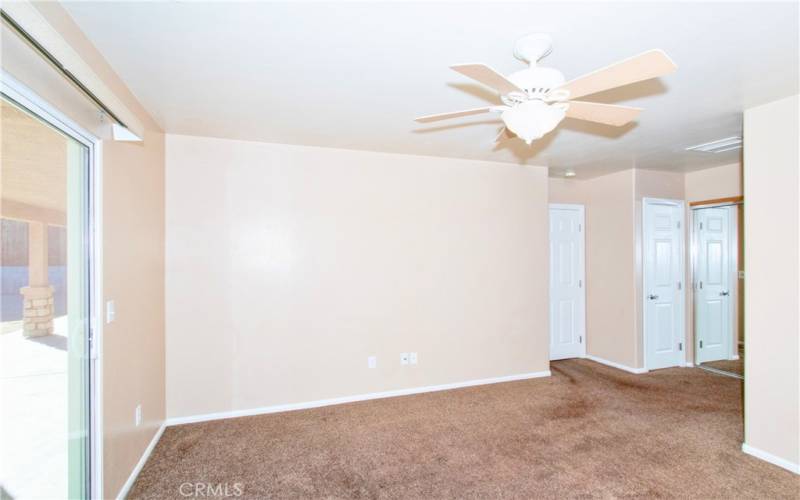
(111, 311)
(412, 358)
(372, 362)
(403, 358)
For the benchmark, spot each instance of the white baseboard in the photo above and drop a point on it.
(123, 492)
(688, 364)
(349, 399)
(618, 366)
(769, 457)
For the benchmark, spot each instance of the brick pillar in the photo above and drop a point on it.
(37, 313)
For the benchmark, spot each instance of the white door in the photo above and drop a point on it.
(567, 299)
(663, 283)
(712, 292)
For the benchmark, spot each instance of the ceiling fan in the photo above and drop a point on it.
(536, 99)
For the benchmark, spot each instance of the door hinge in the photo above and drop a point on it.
(680, 346)
(580, 283)
(679, 224)
(579, 227)
(680, 287)
(701, 226)
(701, 285)
(701, 344)
(580, 339)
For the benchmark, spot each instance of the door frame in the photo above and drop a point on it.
(20, 94)
(581, 209)
(682, 261)
(733, 274)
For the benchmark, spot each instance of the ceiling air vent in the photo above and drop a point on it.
(718, 146)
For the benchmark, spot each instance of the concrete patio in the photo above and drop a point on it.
(33, 413)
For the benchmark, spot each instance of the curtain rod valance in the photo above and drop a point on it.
(30, 25)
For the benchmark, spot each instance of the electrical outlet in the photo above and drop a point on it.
(403, 358)
(412, 358)
(111, 311)
(372, 362)
(138, 415)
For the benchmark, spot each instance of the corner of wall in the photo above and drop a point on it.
(133, 350)
(772, 323)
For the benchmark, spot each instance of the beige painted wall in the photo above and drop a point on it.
(287, 266)
(133, 274)
(133, 345)
(610, 262)
(772, 229)
(658, 184)
(714, 183)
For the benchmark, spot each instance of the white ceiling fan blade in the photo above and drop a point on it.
(610, 114)
(487, 76)
(454, 114)
(504, 134)
(650, 64)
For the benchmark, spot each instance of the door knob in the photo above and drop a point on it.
(724, 293)
(652, 296)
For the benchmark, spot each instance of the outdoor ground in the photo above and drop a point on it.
(33, 412)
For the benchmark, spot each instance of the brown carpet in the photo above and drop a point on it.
(588, 431)
(735, 366)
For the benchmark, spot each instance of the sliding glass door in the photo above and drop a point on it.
(45, 358)
(78, 361)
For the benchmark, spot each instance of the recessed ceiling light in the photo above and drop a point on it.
(570, 173)
(719, 145)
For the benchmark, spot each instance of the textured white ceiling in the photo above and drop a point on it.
(354, 75)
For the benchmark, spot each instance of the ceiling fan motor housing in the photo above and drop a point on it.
(537, 82)
(531, 48)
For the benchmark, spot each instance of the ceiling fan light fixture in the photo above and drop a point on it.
(531, 120)
(570, 173)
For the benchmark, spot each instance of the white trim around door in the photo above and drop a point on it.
(663, 287)
(567, 281)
